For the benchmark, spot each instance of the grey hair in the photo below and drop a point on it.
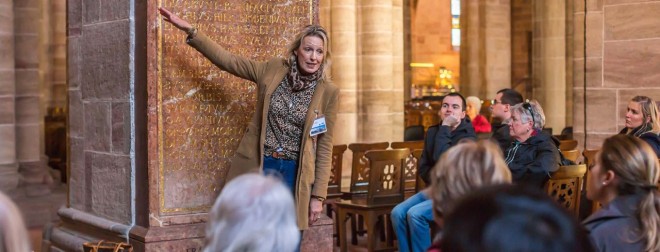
(475, 101)
(253, 213)
(13, 235)
(526, 116)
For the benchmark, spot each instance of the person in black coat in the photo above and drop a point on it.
(501, 110)
(624, 180)
(642, 121)
(412, 218)
(534, 154)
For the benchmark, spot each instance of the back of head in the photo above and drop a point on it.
(253, 213)
(464, 168)
(510, 96)
(650, 111)
(506, 218)
(13, 235)
(636, 167)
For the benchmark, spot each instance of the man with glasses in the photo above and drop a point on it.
(501, 111)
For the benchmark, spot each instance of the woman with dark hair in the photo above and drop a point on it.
(642, 121)
(293, 94)
(624, 180)
(506, 218)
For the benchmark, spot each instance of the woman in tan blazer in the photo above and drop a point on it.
(293, 94)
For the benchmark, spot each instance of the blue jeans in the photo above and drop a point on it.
(411, 220)
(285, 169)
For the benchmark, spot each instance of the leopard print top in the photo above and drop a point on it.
(286, 119)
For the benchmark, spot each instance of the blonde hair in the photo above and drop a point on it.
(636, 166)
(464, 168)
(312, 30)
(475, 101)
(649, 112)
(13, 235)
(253, 213)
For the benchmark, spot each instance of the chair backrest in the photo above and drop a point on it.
(410, 168)
(568, 144)
(413, 133)
(419, 183)
(589, 160)
(572, 155)
(565, 186)
(412, 117)
(360, 165)
(334, 184)
(386, 182)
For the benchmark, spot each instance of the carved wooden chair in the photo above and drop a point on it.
(589, 160)
(359, 180)
(334, 184)
(568, 144)
(385, 190)
(565, 186)
(410, 170)
(572, 155)
(412, 117)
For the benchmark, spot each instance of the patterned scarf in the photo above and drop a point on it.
(301, 82)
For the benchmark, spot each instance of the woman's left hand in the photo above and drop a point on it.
(315, 209)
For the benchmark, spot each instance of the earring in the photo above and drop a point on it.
(604, 183)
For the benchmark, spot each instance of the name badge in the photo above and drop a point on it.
(318, 126)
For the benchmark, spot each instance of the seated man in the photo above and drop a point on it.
(501, 109)
(412, 217)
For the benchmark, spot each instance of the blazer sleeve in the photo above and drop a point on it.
(323, 153)
(234, 64)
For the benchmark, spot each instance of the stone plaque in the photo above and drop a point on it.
(202, 112)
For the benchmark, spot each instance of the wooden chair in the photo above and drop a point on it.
(334, 185)
(410, 170)
(419, 183)
(565, 186)
(568, 144)
(429, 118)
(385, 190)
(572, 155)
(589, 160)
(360, 167)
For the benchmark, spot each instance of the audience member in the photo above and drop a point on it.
(506, 218)
(479, 122)
(624, 179)
(463, 169)
(501, 111)
(411, 218)
(253, 213)
(13, 235)
(533, 153)
(642, 121)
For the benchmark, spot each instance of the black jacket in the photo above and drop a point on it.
(438, 140)
(650, 138)
(501, 135)
(615, 227)
(532, 161)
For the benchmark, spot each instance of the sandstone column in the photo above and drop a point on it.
(344, 68)
(485, 47)
(8, 165)
(56, 82)
(29, 113)
(381, 119)
(549, 61)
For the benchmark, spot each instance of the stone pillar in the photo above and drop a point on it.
(381, 119)
(621, 59)
(549, 61)
(56, 75)
(344, 68)
(29, 113)
(8, 165)
(485, 47)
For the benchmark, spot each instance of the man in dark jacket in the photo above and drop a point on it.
(412, 217)
(501, 109)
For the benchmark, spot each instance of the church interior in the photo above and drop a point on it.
(86, 133)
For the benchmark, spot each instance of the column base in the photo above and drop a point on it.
(9, 177)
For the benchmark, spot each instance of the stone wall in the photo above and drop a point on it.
(622, 60)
